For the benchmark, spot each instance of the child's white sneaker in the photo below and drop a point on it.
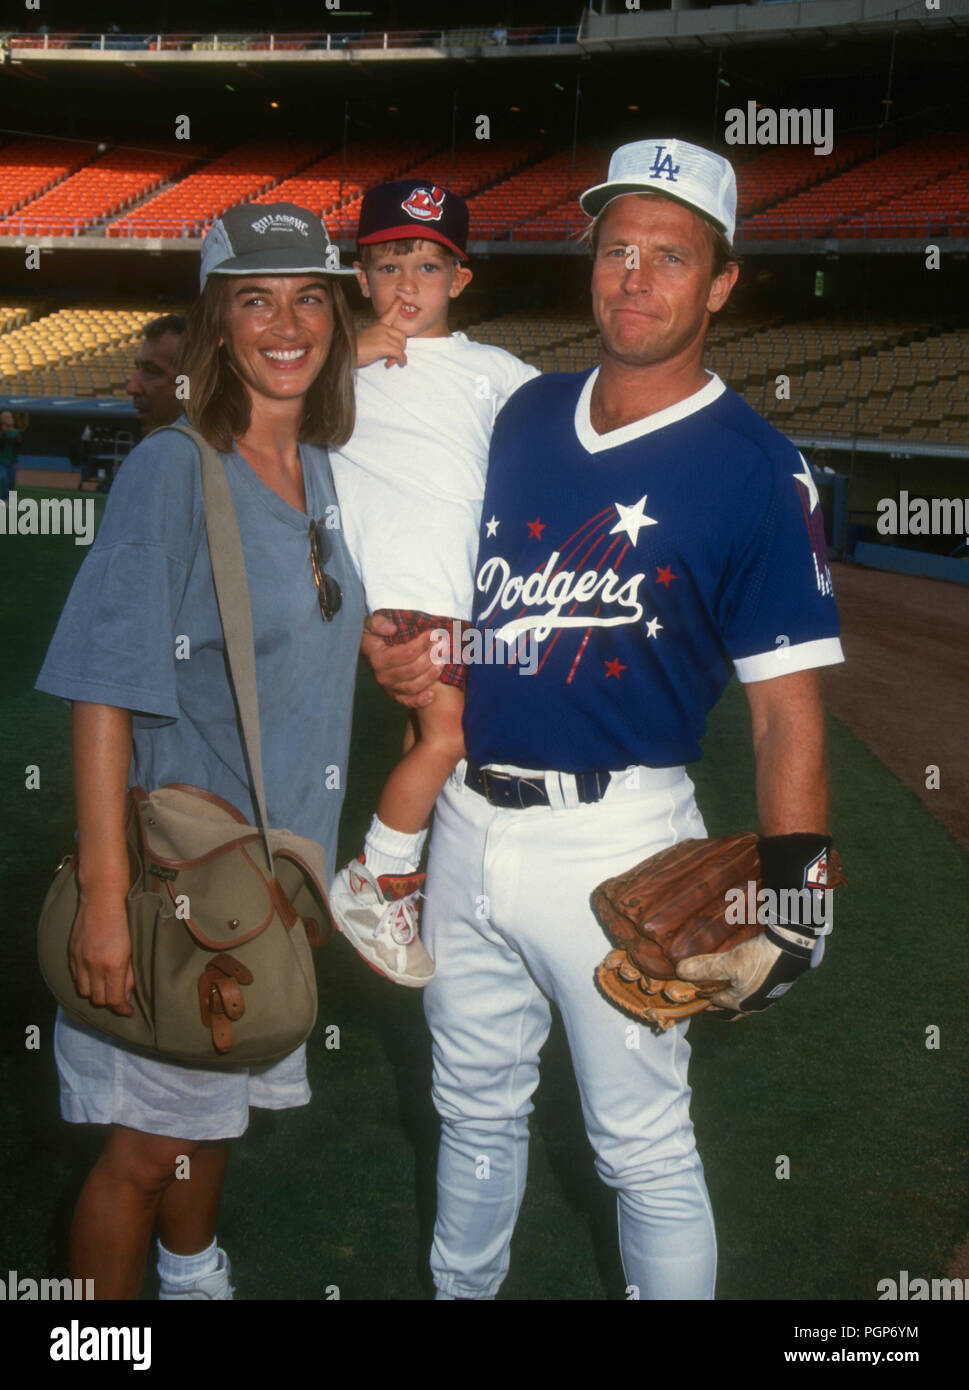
(379, 917)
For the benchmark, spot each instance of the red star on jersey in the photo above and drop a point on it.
(536, 527)
(665, 576)
(614, 667)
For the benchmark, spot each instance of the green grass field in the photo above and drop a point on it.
(838, 1078)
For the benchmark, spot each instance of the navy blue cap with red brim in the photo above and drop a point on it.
(414, 208)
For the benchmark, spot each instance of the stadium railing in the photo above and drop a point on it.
(553, 34)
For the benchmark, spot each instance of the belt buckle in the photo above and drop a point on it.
(536, 784)
(486, 774)
(506, 780)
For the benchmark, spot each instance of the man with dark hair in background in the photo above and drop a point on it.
(152, 384)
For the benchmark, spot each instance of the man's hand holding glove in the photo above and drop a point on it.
(695, 929)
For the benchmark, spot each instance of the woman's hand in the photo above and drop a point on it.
(100, 953)
(383, 339)
(406, 672)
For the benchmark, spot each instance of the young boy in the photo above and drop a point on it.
(410, 482)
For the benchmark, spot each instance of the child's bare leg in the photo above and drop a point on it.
(376, 907)
(412, 788)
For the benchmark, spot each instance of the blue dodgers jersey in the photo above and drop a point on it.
(631, 573)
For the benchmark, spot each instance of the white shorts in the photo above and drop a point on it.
(105, 1083)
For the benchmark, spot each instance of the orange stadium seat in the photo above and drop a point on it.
(540, 201)
(28, 168)
(769, 175)
(850, 203)
(239, 175)
(472, 166)
(101, 188)
(326, 185)
(50, 188)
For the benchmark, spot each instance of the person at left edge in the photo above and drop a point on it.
(12, 429)
(139, 650)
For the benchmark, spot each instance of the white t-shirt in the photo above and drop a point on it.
(411, 478)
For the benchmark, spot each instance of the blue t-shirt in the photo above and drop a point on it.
(141, 631)
(635, 570)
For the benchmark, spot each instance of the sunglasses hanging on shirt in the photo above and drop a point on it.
(329, 593)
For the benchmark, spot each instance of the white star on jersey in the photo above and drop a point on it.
(492, 525)
(807, 478)
(632, 519)
(653, 626)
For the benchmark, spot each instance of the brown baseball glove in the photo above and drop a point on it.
(694, 930)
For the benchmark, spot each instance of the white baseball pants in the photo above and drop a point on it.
(508, 922)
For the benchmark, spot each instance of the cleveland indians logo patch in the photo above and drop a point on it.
(425, 204)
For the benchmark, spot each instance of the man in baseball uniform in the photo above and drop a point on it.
(654, 534)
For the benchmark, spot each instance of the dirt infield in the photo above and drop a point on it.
(903, 691)
(904, 686)
(67, 479)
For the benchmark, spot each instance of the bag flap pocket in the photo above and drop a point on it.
(224, 901)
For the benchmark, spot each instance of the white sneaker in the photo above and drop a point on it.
(210, 1286)
(382, 930)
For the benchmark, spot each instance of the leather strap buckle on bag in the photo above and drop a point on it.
(220, 998)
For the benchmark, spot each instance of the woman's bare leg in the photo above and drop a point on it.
(116, 1211)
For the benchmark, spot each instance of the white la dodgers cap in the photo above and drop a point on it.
(686, 173)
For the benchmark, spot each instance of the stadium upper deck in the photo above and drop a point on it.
(627, 26)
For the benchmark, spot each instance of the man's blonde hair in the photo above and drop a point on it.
(722, 252)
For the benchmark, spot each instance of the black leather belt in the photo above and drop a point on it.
(505, 789)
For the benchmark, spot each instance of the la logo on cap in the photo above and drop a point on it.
(425, 204)
(663, 165)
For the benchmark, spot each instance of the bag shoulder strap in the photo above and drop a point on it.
(235, 610)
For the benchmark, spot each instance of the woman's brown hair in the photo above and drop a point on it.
(218, 402)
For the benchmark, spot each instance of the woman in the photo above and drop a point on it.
(268, 358)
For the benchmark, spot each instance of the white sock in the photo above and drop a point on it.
(388, 851)
(182, 1271)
